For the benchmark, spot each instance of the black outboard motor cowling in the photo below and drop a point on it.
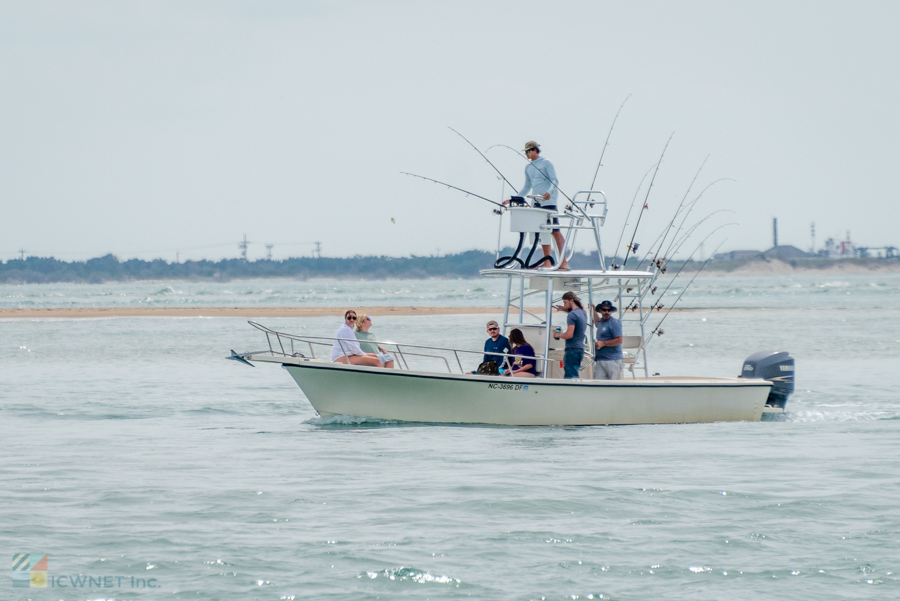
(776, 367)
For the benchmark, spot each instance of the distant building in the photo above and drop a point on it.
(834, 249)
(737, 255)
(785, 252)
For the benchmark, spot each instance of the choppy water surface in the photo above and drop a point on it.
(130, 448)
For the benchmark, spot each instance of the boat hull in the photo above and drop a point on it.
(426, 397)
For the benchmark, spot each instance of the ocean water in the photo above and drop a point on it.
(148, 467)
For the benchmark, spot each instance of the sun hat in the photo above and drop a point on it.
(606, 304)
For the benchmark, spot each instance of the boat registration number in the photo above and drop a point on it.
(508, 386)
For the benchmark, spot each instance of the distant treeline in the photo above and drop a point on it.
(110, 269)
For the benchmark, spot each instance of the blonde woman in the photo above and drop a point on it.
(362, 334)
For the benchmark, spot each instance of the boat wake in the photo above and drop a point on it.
(350, 420)
(832, 416)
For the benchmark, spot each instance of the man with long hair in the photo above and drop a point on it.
(576, 324)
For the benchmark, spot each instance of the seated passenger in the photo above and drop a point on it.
(524, 365)
(346, 349)
(497, 343)
(363, 323)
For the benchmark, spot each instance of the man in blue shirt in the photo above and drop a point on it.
(576, 324)
(495, 344)
(608, 356)
(540, 178)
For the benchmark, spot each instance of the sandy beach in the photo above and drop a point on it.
(90, 312)
(101, 312)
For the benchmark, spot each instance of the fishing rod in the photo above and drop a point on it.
(658, 304)
(625, 224)
(657, 330)
(501, 262)
(603, 152)
(483, 156)
(691, 206)
(631, 248)
(681, 241)
(661, 266)
(662, 261)
(558, 189)
(466, 192)
(665, 233)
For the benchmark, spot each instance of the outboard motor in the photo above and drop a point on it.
(776, 367)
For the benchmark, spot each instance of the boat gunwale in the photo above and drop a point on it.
(717, 382)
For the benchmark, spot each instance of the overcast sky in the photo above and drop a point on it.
(142, 128)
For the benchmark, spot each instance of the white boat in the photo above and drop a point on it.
(432, 385)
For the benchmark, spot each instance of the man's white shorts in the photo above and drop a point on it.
(608, 370)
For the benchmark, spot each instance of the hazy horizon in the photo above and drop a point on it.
(145, 129)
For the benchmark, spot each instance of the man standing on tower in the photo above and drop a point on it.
(540, 178)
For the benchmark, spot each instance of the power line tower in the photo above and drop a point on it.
(812, 234)
(269, 251)
(243, 247)
(22, 252)
(318, 252)
(775, 232)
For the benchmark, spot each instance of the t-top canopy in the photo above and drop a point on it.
(577, 273)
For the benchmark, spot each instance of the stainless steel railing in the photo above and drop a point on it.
(280, 342)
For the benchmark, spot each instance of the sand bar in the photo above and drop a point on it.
(94, 312)
(251, 312)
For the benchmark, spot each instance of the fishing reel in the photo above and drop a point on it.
(653, 290)
(634, 247)
(660, 332)
(497, 211)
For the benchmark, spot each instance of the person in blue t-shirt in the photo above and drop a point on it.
(495, 344)
(576, 324)
(608, 356)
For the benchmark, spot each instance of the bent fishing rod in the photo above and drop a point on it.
(657, 330)
(603, 152)
(631, 248)
(544, 175)
(661, 269)
(483, 156)
(663, 263)
(466, 192)
(658, 304)
(665, 233)
(501, 262)
(625, 224)
(660, 262)
(691, 206)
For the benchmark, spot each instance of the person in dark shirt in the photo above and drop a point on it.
(495, 344)
(523, 366)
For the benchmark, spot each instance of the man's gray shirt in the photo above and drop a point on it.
(607, 330)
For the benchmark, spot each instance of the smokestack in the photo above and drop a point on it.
(775, 231)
